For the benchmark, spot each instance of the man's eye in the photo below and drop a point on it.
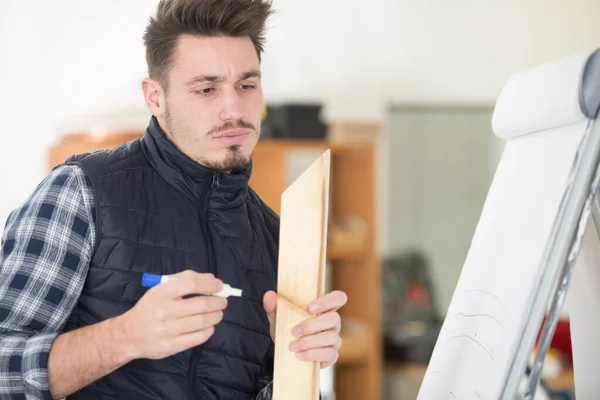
(247, 87)
(203, 91)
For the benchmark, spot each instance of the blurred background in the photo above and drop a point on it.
(401, 91)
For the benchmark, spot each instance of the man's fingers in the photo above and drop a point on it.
(318, 340)
(325, 322)
(332, 301)
(193, 339)
(197, 305)
(198, 322)
(324, 355)
(189, 282)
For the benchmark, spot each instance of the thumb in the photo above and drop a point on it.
(270, 304)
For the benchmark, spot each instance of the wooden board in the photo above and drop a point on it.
(301, 274)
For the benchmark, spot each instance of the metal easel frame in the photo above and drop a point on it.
(562, 249)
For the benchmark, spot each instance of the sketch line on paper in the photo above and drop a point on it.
(480, 315)
(477, 394)
(488, 293)
(452, 394)
(489, 353)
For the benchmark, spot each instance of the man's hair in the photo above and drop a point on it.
(235, 18)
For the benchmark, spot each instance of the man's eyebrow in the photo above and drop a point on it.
(250, 74)
(205, 78)
(216, 79)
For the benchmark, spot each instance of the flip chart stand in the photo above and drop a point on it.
(560, 253)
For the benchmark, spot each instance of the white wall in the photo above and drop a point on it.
(68, 58)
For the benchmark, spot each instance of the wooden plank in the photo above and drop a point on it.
(301, 275)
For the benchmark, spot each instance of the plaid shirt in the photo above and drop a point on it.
(44, 258)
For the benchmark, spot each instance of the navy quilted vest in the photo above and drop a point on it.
(160, 212)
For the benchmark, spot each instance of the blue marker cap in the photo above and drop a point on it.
(151, 280)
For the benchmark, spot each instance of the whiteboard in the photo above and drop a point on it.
(487, 313)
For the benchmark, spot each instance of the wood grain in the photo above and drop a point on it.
(301, 274)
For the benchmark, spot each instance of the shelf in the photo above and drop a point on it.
(338, 253)
(408, 371)
(356, 346)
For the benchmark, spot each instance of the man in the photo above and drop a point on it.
(75, 319)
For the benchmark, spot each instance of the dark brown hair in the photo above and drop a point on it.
(235, 18)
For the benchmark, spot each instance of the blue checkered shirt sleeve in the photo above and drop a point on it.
(44, 255)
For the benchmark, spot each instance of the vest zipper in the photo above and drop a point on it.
(204, 199)
(212, 268)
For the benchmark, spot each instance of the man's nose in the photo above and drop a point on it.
(232, 107)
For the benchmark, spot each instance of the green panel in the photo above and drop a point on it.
(441, 162)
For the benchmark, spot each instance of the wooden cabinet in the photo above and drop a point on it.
(354, 265)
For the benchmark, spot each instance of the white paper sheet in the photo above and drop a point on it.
(474, 349)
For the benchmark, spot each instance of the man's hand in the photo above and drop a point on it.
(162, 323)
(317, 338)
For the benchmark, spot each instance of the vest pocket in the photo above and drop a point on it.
(249, 255)
(92, 392)
(246, 265)
(244, 255)
(104, 388)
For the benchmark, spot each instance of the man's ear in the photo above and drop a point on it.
(154, 97)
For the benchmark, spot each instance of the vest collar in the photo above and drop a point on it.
(183, 172)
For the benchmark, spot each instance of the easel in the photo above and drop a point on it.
(533, 227)
(579, 204)
(560, 254)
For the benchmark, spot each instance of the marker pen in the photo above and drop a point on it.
(151, 280)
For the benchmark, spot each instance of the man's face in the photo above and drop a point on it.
(213, 108)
